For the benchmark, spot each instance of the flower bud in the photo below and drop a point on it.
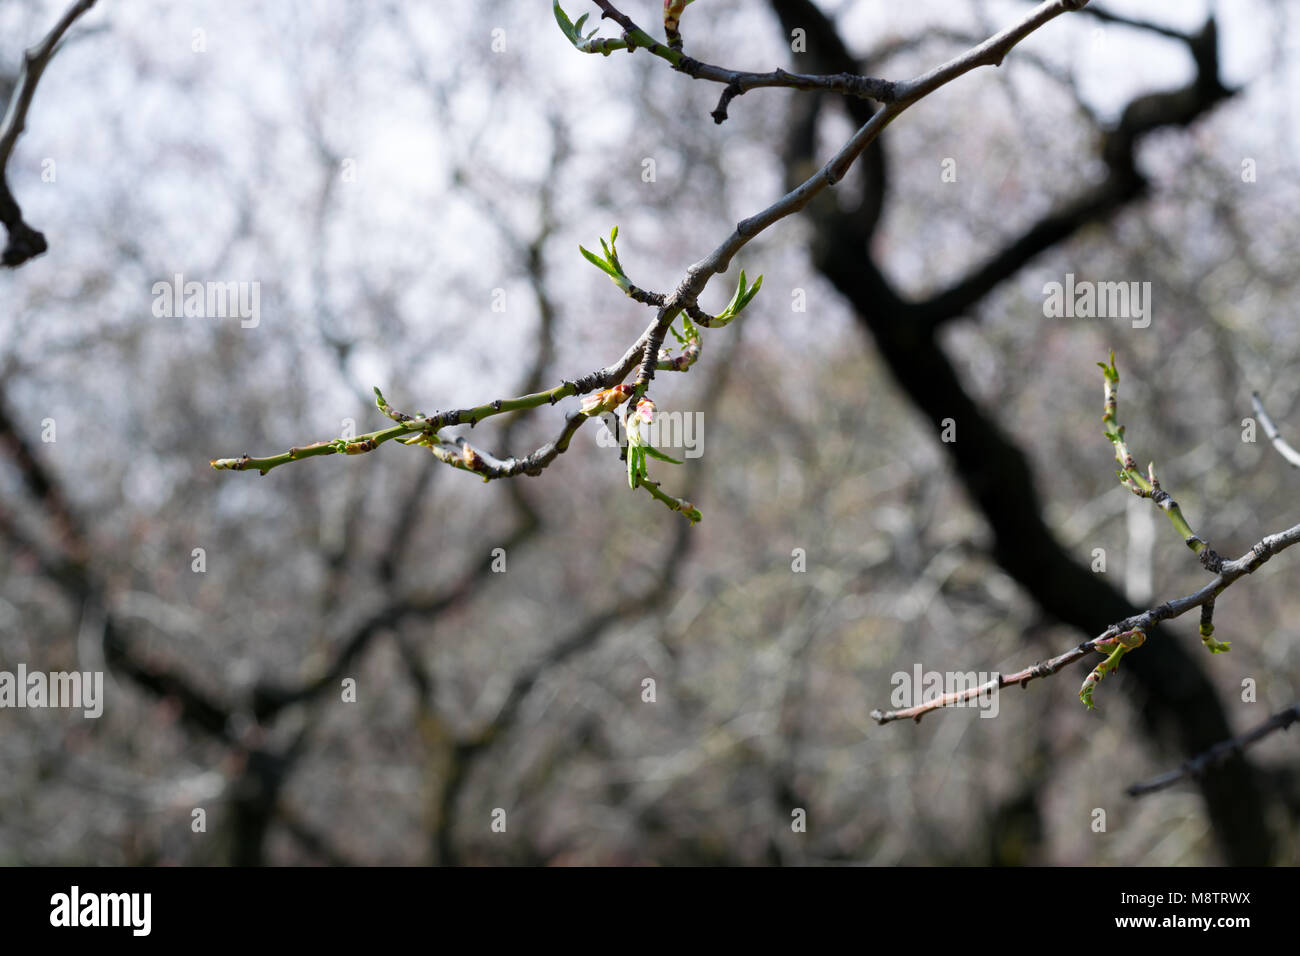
(606, 401)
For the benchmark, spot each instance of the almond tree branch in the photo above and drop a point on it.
(737, 82)
(459, 453)
(1179, 705)
(24, 241)
(989, 53)
(1198, 764)
(645, 354)
(1147, 486)
(428, 425)
(1231, 571)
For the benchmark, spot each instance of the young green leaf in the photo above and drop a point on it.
(573, 31)
(610, 264)
(743, 296)
(566, 25)
(748, 297)
(656, 453)
(596, 261)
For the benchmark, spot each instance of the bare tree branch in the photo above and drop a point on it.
(24, 241)
(737, 82)
(1124, 182)
(1283, 447)
(1197, 765)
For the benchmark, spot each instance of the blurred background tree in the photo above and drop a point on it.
(390, 172)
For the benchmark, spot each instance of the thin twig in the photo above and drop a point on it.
(737, 82)
(1200, 763)
(1148, 486)
(1231, 571)
(1281, 444)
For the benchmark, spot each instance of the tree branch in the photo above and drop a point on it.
(1148, 485)
(1281, 444)
(1198, 765)
(1179, 705)
(644, 354)
(737, 82)
(1124, 182)
(24, 241)
(1231, 572)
